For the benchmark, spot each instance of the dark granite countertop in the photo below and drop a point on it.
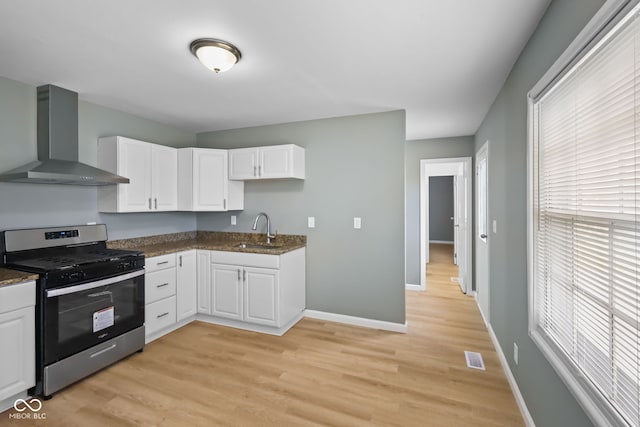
(10, 277)
(210, 240)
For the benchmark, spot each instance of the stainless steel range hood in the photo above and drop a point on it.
(58, 146)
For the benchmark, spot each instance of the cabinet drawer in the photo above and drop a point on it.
(160, 314)
(159, 284)
(245, 259)
(160, 262)
(14, 297)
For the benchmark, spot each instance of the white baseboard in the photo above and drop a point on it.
(526, 415)
(9, 402)
(271, 330)
(412, 287)
(443, 242)
(357, 321)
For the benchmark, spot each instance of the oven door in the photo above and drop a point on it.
(82, 315)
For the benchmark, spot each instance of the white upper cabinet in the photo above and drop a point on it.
(152, 171)
(164, 178)
(243, 163)
(270, 162)
(203, 182)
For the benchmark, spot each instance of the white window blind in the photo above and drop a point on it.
(586, 219)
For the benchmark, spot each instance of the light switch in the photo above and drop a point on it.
(357, 222)
(495, 226)
(311, 222)
(234, 221)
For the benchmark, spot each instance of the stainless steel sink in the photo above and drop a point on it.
(256, 246)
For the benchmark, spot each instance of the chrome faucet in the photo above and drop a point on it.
(255, 225)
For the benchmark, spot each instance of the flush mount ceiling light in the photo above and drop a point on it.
(216, 55)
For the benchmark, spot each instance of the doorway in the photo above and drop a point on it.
(482, 230)
(460, 169)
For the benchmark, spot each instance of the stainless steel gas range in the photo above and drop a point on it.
(89, 300)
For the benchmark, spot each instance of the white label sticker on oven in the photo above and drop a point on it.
(102, 319)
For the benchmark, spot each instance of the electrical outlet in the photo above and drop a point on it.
(515, 353)
(357, 222)
(234, 220)
(311, 222)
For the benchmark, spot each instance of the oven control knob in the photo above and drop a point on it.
(75, 276)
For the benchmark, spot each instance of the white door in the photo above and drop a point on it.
(164, 165)
(134, 159)
(210, 182)
(226, 291)
(261, 296)
(460, 226)
(186, 286)
(243, 163)
(482, 231)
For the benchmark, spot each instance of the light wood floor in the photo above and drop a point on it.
(319, 373)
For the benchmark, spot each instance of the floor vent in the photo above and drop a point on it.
(474, 360)
(455, 279)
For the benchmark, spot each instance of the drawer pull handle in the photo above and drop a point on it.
(162, 285)
(163, 262)
(162, 315)
(104, 350)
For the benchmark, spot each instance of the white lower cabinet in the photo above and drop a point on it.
(160, 311)
(17, 335)
(260, 292)
(186, 285)
(258, 289)
(203, 265)
(245, 293)
(226, 291)
(159, 315)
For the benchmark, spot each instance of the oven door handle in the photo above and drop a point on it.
(98, 283)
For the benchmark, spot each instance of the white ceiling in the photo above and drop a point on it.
(442, 61)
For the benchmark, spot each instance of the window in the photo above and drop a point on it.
(585, 223)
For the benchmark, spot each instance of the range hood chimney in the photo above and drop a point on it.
(58, 146)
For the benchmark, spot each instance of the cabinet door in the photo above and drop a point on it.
(203, 266)
(187, 289)
(210, 180)
(261, 290)
(275, 162)
(226, 291)
(17, 335)
(164, 165)
(243, 163)
(134, 162)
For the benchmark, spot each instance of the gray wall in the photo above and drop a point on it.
(35, 205)
(505, 126)
(354, 167)
(414, 151)
(441, 208)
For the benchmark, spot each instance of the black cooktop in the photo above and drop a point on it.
(62, 259)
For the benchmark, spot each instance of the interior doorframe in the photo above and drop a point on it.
(444, 167)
